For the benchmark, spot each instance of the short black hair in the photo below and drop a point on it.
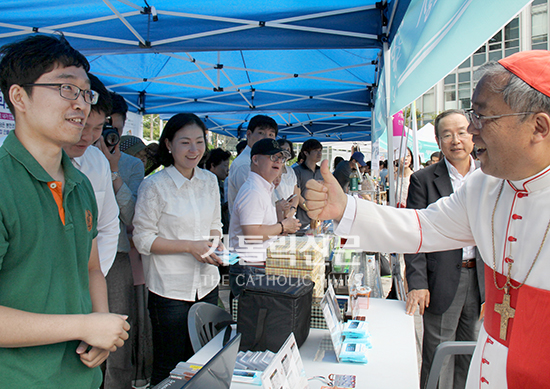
(25, 61)
(104, 103)
(311, 144)
(119, 105)
(176, 123)
(241, 146)
(286, 141)
(262, 122)
(216, 157)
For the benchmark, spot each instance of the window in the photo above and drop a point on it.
(479, 56)
(539, 25)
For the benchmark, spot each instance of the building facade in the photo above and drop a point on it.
(527, 31)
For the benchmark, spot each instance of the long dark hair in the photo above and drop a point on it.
(176, 123)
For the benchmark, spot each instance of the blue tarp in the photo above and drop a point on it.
(284, 58)
(219, 58)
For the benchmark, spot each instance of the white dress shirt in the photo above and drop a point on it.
(457, 180)
(238, 174)
(172, 207)
(96, 167)
(252, 206)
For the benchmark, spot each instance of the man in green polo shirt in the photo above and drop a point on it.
(55, 329)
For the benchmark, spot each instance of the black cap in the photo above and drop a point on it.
(268, 146)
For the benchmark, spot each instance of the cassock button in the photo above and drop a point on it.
(483, 360)
(511, 239)
(508, 260)
(515, 216)
(483, 379)
(522, 194)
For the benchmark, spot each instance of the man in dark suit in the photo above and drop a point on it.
(446, 286)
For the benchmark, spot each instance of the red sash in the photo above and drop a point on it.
(528, 334)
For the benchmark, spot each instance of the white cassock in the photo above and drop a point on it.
(464, 219)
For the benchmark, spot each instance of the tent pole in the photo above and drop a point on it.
(415, 136)
(389, 125)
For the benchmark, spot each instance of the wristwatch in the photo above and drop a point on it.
(114, 175)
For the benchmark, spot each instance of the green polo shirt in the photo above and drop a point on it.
(44, 264)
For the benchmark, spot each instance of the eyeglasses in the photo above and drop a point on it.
(278, 158)
(462, 136)
(71, 92)
(476, 119)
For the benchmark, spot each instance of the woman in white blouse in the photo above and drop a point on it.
(287, 185)
(176, 229)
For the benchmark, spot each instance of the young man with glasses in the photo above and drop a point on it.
(254, 221)
(446, 286)
(55, 328)
(504, 209)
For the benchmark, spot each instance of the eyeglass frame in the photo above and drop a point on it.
(95, 95)
(474, 118)
(281, 158)
(450, 137)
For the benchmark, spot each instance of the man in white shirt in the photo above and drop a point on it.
(445, 285)
(92, 162)
(260, 127)
(127, 173)
(504, 209)
(254, 221)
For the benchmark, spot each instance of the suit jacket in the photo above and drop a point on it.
(439, 272)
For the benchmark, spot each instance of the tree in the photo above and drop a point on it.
(154, 122)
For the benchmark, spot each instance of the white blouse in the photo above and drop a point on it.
(286, 187)
(172, 207)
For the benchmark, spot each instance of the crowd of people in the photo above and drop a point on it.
(104, 238)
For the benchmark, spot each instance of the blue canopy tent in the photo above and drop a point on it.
(279, 58)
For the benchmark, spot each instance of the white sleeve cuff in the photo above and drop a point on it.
(343, 227)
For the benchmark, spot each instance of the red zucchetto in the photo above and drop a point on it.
(531, 66)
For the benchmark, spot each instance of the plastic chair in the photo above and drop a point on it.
(204, 322)
(443, 350)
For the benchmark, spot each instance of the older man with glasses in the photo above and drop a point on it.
(254, 223)
(504, 209)
(446, 286)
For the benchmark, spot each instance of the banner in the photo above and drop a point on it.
(7, 122)
(435, 37)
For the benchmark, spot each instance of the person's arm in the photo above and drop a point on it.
(197, 248)
(100, 329)
(287, 226)
(27, 329)
(98, 293)
(237, 177)
(113, 159)
(108, 227)
(283, 208)
(416, 264)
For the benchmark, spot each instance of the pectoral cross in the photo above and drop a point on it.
(506, 312)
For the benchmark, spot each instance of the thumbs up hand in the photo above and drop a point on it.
(325, 200)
